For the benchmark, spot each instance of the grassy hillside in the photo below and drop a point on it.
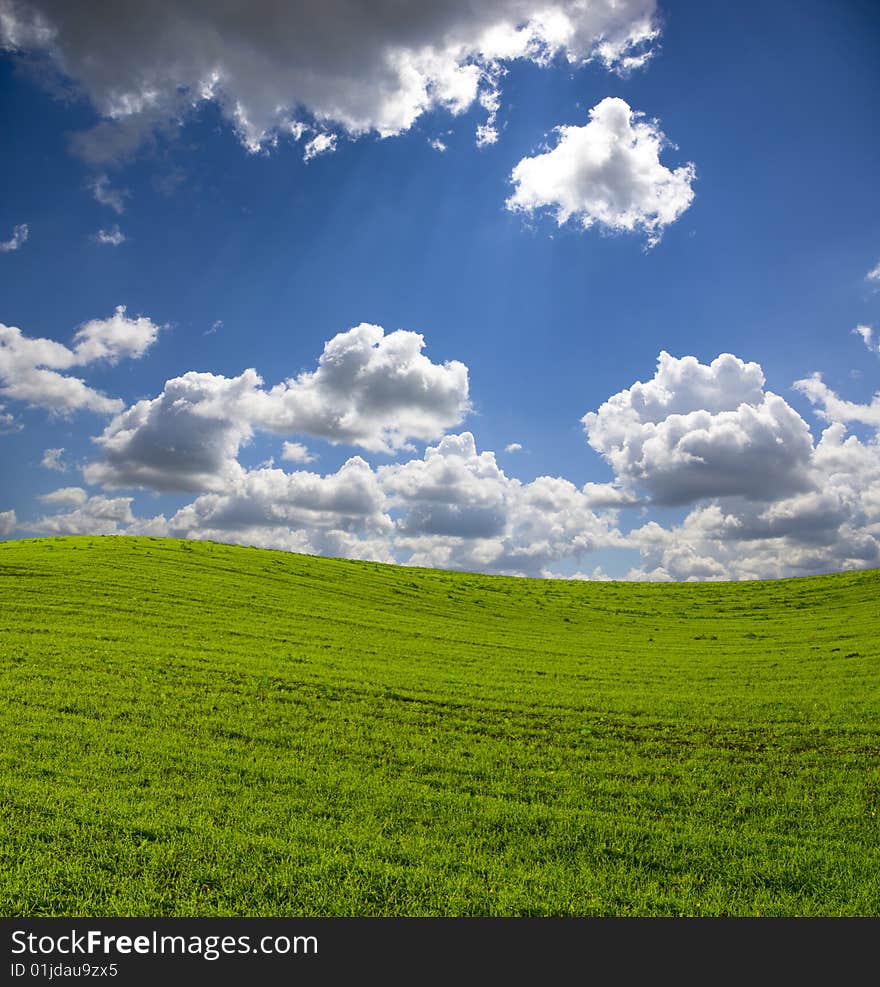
(196, 729)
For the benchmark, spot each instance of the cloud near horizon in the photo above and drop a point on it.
(762, 497)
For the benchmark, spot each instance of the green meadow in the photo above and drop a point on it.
(198, 729)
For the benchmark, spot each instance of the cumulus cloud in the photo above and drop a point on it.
(110, 238)
(19, 235)
(114, 338)
(459, 510)
(370, 389)
(296, 452)
(513, 447)
(8, 523)
(818, 531)
(607, 172)
(697, 431)
(832, 523)
(348, 500)
(187, 438)
(360, 66)
(874, 273)
(30, 367)
(91, 516)
(453, 508)
(66, 497)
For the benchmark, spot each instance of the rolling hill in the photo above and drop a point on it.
(198, 729)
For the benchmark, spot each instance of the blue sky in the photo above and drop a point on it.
(751, 229)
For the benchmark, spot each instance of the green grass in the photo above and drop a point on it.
(198, 729)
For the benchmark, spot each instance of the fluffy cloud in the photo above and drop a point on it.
(874, 273)
(362, 66)
(767, 500)
(832, 525)
(19, 235)
(8, 523)
(349, 500)
(697, 431)
(453, 508)
(459, 510)
(66, 497)
(115, 338)
(607, 172)
(370, 389)
(819, 531)
(296, 452)
(92, 516)
(187, 438)
(29, 367)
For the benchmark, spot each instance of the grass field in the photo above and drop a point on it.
(199, 729)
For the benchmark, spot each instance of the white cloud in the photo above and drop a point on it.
(487, 133)
(437, 144)
(114, 338)
(833, 408)
(8, 523)
(319, 144)
(19, 235)
(513, 447)
(867, 336)
(360, 66)
(216, 325)
(832, 524)
(108, 196)
(459, 510)
(66, 497)
(874, 273)
(95, 516)
(370, 389)
(296, 452)
(607, 172)
(697, 431)
(110, 238)
(52, 460)
(608, 495)
(29, 367)
(187, 438)
(453, 508)
(348, 500)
